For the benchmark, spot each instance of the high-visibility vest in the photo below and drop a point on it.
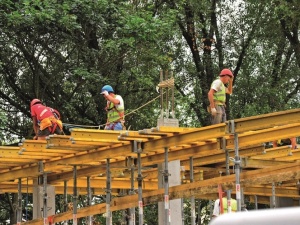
(220, 95)
(114, 114)
(233, 205)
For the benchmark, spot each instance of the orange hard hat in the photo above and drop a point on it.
(227, 72)
(35, 101)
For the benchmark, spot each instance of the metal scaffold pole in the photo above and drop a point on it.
(108, 193)
(136, 148)
(166, 185)
(237, 164)
(140, 191)
(65, 200)
(193, 213)
(75, 195)
(227, 173)
(89, 199)
(45, 198)
(132, 192)
(19, 210)
(273, 196)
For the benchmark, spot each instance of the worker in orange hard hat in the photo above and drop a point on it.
(45, 120)
(217, 96)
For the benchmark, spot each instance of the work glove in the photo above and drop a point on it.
(213, 111)
(104, 93)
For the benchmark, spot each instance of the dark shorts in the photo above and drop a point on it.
(285, 142)
(47, 132)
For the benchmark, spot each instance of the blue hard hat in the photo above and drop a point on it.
(107, 88)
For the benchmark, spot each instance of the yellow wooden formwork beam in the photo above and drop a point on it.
(200, 134)
(204, 150)
(264, 121)
(216, 157)
(260, 163)
(115, 183)
(118, 150)
(265, 190)
(185, 191)
(266, 135)
(164, 129)
(294, 155)
(272, 153)
(95, 134)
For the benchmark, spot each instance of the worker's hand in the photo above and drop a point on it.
(105, 93)
(35, 138)
(213, 111)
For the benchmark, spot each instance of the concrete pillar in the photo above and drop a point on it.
(176, 204)
(38, 197)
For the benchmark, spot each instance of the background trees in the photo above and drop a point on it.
(64, 51)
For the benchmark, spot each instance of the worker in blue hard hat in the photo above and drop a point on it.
(114, 108)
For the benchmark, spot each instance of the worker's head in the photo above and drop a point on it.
(35, 101)
(224, 194)
(226, 72)
(107, 88)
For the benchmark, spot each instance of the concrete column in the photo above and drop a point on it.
(38, 200)
(176, 204)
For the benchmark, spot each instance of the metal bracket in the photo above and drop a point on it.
(136, 146)
(230, 128)
(222, 143)
(40, 167)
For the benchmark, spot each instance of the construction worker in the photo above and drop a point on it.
(46, 120)
(217, 206)
(217, 96)
(114, 108)
(283, 142)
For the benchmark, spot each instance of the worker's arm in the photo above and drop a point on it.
(211, 98)
(112, 99)
(35, 125)
(293, 142)
(229, 88)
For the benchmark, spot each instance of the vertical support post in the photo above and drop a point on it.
(255, 202)
(140, 191)
(237, 163)
(75, 195)
(136, 148)
(199, 213)
(273, 205)
(19, 209)
(89, 199)
(65, 200)
(229, 201)
(108, 193)
(227, 173)
(211, 208)
(166, 185)
(132, 210)
(45, 198)
(193, 213)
